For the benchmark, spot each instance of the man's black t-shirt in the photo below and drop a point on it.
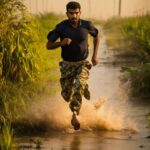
(78, 48)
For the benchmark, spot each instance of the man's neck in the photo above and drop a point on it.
(74, 25)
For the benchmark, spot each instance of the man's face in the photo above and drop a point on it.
(73, 15)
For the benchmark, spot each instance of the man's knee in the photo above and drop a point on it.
(66, 95)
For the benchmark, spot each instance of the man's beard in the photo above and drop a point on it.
(74, 21)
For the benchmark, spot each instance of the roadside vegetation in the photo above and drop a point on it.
(27, 69)
(130, 38)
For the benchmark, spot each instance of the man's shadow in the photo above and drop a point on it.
(75, 144)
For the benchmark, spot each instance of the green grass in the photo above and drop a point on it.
(116, 39)
(131, 37)
(6, 140)
(16, 95)
(28, 70)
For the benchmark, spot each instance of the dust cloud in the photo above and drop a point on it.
(53, 114)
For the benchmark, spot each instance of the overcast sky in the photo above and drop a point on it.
(102, 9)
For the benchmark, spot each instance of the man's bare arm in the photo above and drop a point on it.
(53, 45)
(95, 60)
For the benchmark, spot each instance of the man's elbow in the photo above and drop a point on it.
(48, 45)
(97, 38)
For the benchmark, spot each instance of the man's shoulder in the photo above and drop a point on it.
(62, 23)
(85, 23)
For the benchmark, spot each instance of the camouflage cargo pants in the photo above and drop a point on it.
(74, 77)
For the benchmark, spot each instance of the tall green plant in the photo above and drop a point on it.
(16, 41)
(6, 140)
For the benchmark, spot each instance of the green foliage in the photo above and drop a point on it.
(15, 98)
(50, 57)
(115, 37)
(12, 101)
(47, 22)
(6, 140)
(16, 42)
(19, 66)
(138, 29)
(140, 79)
(131, 37)
(18, 54)
(10, 12)
(149, 120)
(23, 57)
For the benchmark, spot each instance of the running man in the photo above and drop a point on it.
(74, 67)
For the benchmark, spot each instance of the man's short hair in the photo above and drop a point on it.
(73, 5)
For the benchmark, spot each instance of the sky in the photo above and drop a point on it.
(99, 9)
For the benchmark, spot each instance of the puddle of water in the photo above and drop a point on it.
(97, 140)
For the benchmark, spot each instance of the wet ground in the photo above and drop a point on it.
(124, 118)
